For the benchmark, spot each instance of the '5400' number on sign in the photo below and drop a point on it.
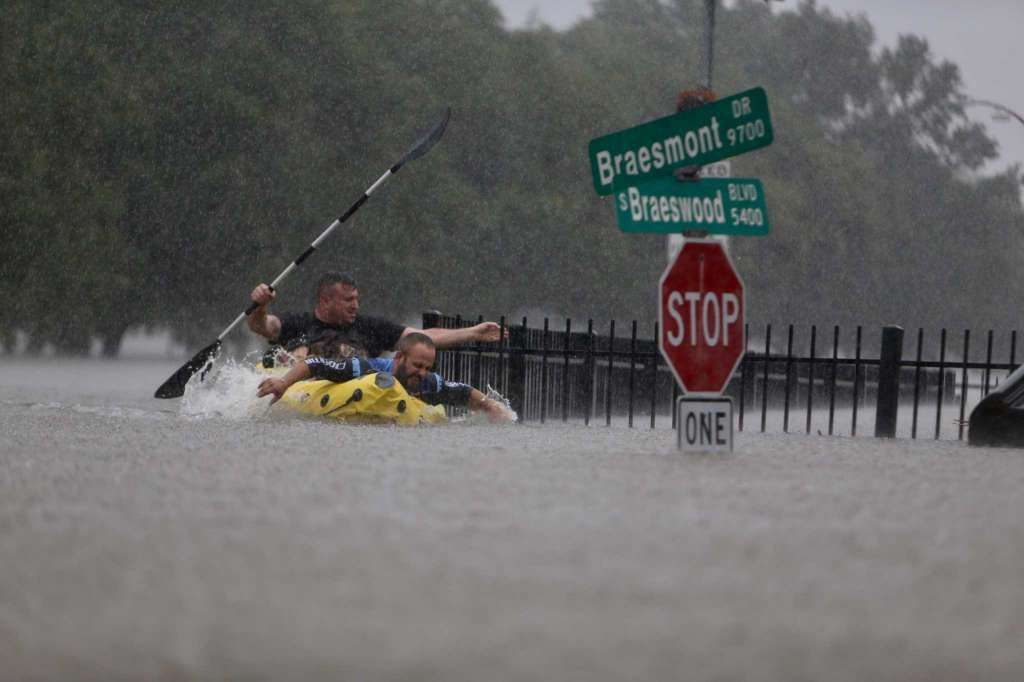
(746, 216)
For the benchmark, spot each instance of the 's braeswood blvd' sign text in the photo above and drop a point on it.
(718, 206)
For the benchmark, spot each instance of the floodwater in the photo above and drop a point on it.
(137, 542)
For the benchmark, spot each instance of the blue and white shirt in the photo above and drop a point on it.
(433, 390)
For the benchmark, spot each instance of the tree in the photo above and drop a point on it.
(157, 161)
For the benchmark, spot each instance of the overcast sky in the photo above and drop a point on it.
(981, 36)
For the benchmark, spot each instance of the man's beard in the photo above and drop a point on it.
(411, 382)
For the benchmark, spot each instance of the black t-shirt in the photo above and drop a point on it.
(368, 336)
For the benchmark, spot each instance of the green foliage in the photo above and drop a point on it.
(159, 159)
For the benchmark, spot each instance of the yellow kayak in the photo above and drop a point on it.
(371, 399)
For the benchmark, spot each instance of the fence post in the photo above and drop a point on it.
(518, 338)
(586, 387)
(889, 382)
(431, 319)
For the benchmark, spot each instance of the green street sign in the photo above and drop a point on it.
(724, 128)
(715, 205)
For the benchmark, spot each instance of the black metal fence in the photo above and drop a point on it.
(836, 383)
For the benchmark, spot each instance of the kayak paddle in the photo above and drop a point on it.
(174, 387)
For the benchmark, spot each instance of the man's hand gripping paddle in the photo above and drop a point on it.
(174, 387)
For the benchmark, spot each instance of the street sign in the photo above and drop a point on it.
(718, 169)
(700, 317)
(718, 206)
(719, 130)
(704, 424)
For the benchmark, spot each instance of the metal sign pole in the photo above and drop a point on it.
(709, 27)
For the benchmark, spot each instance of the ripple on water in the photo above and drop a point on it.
(118, 411)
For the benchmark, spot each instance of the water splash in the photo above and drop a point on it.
(226, 391)
(464, 416)
(492, 394)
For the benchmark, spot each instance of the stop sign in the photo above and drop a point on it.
(700, 315)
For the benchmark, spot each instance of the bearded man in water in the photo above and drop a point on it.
(410, 366)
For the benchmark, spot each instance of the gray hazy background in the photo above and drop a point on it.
(982, 38)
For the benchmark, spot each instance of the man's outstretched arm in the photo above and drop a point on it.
(495, 410)
(441, 392)
(446, 338)
(317, 367)
(276, 386)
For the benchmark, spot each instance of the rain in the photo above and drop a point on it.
(443, 442)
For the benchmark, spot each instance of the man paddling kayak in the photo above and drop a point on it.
(410, 366)
(337, 312)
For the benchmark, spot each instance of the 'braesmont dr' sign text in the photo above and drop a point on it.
(719, 130)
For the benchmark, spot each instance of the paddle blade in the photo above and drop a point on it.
(424, 144)
(175, 386)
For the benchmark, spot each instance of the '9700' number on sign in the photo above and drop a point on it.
(746, 132)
